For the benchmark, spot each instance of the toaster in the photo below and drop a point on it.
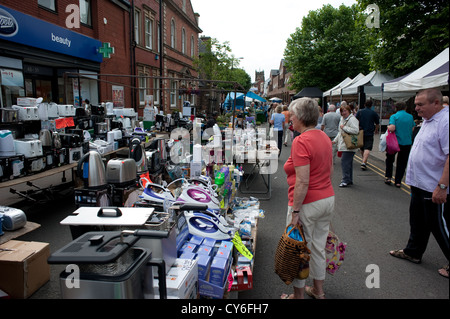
(66, 110)
(28, 147)
(27, 113)
(70, 140)
(121, 171)
(43, 111)
(52, 110)
(13, 218)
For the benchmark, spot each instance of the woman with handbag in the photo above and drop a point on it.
(278, 122)
(348, 124)
(311, 195)
(402, 124)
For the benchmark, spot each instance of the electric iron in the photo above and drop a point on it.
(204, 225)
(216, 213)
(205, 182)
(156, 194)
(195, 194)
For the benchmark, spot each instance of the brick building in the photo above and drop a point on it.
(279, 84)
(258, 85)
(41, 40)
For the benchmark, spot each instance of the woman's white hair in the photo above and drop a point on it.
(306, 110)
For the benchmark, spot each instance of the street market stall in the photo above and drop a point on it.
(169, 192)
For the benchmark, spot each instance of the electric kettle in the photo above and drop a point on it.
(45, 136)
(137, 152)
(92, 170)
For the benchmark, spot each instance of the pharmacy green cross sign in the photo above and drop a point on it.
(106, 50)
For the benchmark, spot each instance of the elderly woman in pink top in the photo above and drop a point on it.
(310, 194)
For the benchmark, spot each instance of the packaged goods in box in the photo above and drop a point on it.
(181, 280)
(189, 248)
(226, 244)
(23, 267)
(208, 289)
(188, 255)
(209, 242)
(204, 250)
(204, 263)
(218, 270)
(197, 240)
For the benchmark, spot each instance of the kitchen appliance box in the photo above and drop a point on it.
(181, 280)
(23, 267)
(12, 167)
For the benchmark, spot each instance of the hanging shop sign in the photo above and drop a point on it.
(25, 29)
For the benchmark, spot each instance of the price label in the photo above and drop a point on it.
(241, 247)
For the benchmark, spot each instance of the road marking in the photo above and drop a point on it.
(381, 172)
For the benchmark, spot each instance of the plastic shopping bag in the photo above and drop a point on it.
(382, 146)
(392, 143)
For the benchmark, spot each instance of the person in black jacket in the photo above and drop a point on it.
(369, 121)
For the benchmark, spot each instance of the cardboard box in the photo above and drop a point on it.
(208, 289)
(181, 280)
(209, 242)
(204, 250)
(26, 101)
(204, 263)
(197, 240)
(23, 267)
(218, 270)
(189, 248)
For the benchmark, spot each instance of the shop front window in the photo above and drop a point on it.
(12, 86)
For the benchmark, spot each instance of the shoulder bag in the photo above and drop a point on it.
(353, 141)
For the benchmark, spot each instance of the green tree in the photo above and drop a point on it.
(328, 47)
(410, 34)
(216, 62)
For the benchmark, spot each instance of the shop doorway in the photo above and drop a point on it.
(39, 88)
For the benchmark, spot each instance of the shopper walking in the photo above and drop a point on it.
(277, 120)
(350, 125)
(330, 125)
(369, 121)
(310, 193)
(428, 176)
(287, 133)
(402, 124)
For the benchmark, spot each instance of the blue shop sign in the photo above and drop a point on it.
(25, 29)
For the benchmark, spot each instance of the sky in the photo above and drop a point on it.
(256, 30)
